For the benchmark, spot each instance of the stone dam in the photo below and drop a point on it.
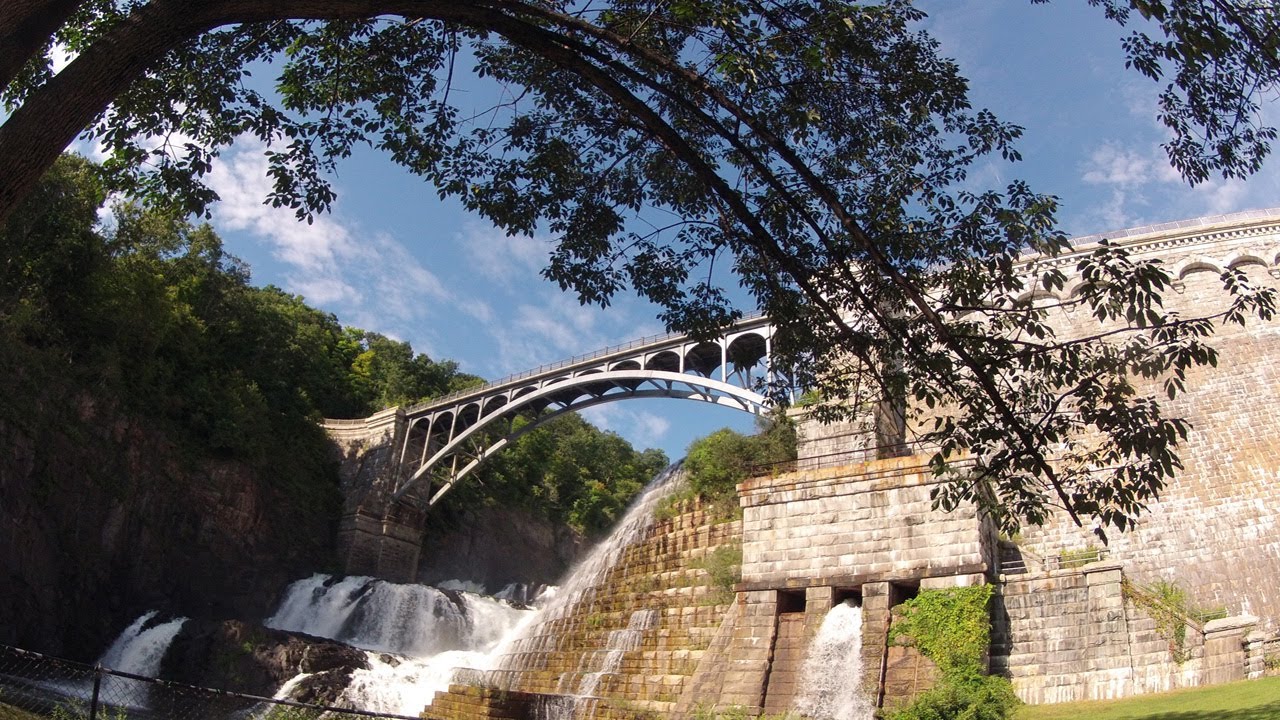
(662, 635)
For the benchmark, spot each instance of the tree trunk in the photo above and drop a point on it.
(42, 127)
(25, 27)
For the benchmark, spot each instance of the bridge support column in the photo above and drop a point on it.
(386, 546)
(376, 536)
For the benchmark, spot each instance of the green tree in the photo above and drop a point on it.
(822, 146)
(721, 460)
(387, 372)
(566, 470)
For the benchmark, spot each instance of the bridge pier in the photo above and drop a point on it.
(377, 535)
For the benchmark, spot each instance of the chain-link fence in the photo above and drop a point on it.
(36, 687)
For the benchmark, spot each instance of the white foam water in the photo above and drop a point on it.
(831, 677)
(436, 633)
(416, 635)
(139, 649)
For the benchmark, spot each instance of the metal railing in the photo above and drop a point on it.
(35, 686)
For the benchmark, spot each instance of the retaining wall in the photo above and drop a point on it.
(1086, 634)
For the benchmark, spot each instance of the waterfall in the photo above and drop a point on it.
(831, 677)
(416, 635)
(620, 642)
(140, 648)
(525, 647)
(407, 619)
(435, 631)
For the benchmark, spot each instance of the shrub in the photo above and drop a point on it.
(717, 463)
(969, 697)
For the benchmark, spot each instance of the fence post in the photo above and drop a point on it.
(97, 683)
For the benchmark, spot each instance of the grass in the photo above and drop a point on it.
(9, 712)
(1247, 700)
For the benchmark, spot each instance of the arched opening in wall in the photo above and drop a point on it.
(748, 360)
(704, 359)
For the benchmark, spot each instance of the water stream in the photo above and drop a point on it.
(140, 648)
(415, 635)
(526, 647)
(831, 677)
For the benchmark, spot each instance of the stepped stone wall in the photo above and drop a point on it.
(666, 573)
(1084, 634)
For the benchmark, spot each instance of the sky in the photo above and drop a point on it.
(393, 258)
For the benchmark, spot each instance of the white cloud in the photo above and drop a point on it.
(240, 179)
(503, 258)
(642, 429)
(1111, 164)
(369, 278)
(1141, 186)
(557, 328)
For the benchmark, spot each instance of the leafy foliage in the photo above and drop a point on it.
(1172, 608)
(1215, 60)
(718, 462)
(152, 312)
(724, 569)
(977, 697)
(952, 627)
(822, 148)
(565, 470)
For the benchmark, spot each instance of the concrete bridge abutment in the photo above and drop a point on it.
(378, 535)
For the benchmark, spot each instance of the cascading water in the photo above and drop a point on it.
(431, 631)
(138, 649)
(831, 677)
(442, 630)
(528, 644)
(620, 642)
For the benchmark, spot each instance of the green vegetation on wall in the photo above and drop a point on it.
(724, 570)
(952, 627)
(1172, 608)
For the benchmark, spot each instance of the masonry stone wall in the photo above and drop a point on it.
(1214, 528)
(377, 535)
(849, 525)
(687, 658)
(1084, 634)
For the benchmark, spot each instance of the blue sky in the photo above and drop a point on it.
(393, 258)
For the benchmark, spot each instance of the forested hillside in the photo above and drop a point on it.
(159, 413)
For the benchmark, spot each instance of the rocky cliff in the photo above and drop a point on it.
(103, 517)
(496, 546)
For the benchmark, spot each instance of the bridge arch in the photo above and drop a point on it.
(576, 394)
(446, 439)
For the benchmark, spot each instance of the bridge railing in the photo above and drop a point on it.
(568, 362)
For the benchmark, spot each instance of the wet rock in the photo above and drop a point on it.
(247, 658)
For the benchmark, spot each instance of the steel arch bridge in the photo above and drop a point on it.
(447, 438)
